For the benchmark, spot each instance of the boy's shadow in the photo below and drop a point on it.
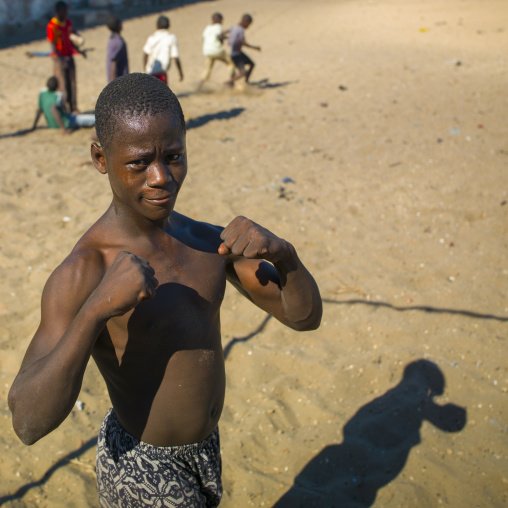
(376, 445)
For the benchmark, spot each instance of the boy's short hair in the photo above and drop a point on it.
(132, 96)
(114, 23)
(217, 16)
(60, 6)
(52, 83)
(247, 17)
(162, 22)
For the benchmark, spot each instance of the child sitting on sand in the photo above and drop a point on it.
(52, 106)
(141, 293)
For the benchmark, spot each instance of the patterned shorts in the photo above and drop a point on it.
(133, 474)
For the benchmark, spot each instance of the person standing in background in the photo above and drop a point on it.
(160, 50)
(58, 32)
(117, 61)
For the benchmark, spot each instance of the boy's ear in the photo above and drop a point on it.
(98, 158)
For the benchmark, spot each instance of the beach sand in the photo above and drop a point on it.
(374, 139)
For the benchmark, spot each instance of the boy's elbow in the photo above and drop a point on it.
(310, 323)
(26, 437)
(27, 433)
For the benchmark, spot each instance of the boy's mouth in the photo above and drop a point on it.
(158, 200)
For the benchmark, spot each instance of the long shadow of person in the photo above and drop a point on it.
(376, 445)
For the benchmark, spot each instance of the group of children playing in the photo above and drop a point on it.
(58, 101)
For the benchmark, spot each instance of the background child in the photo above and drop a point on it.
(236, 39)
(52, 106)
(59, 31)
(117, 62)
(213, 50)
(160, 50)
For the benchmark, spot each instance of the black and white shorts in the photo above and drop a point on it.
(132, 474)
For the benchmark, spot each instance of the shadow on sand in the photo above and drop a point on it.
(16, 134)
(421, 308)
(376, 445)
(64, 461)
(199, 121)
(265, 83)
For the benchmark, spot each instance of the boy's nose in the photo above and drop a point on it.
(158, 175)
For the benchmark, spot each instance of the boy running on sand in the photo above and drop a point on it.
(236, 39)
(213, 36)
(141, 293)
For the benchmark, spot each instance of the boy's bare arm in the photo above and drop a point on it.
(179, 66)
(76, 305)
(257, 48)
(58, 118)
(282, 286)
(112, 70)
(36, 119)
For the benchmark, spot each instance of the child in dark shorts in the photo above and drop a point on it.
(236, 39)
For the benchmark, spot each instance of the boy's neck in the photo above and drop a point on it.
(133, 225)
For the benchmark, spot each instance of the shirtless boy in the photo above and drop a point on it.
(141, 293)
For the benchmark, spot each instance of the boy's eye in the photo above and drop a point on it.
(137, 164)
(174, 157)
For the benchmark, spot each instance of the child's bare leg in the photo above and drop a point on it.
(248, 73)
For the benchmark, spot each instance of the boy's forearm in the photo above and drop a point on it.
(53, 47)
(36, 119)
(57, 117)
(300, 298)
(112, 70)
(45, 391)
(251, 46)
(179, 66)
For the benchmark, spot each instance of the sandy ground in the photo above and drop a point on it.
(389, 117)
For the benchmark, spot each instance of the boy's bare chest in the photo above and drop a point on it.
(185, 307)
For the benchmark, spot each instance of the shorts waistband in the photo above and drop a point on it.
(113, 424)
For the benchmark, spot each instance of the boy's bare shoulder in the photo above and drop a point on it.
(81, 271)
(195, 234)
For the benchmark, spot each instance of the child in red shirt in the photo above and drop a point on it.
(59, 32)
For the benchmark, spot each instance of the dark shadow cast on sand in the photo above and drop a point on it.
(199, 121)
(376, 445)
(265, 83)
(64, 461)
(21, 132)
(421, 308)
(236, 340)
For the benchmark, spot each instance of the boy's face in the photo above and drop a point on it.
(146, 162)
(61, 13)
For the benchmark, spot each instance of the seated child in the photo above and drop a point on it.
(52, 106)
